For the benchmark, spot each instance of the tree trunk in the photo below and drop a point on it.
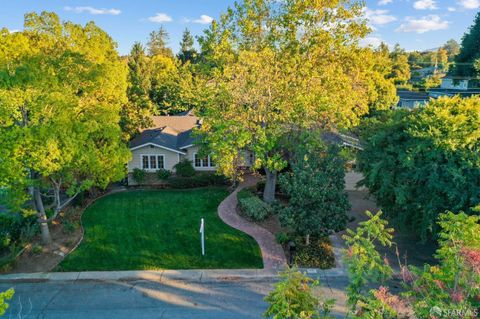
(270, 183)
(42, 217)
(307, 240)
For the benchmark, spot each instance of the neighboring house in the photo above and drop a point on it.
(169, 141)
(452, 87)
(412, 99)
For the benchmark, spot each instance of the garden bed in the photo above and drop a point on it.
(319, 254)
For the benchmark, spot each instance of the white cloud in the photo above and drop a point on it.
(384, 2)
(470, 4)
(204, 19)
(160, 18)
(93, 10)
(424, 24)
(372, 41)
(451, 9)
(378, 17)
(425, 5)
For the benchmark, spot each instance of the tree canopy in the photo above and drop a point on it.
(315, 185)
(469, 52)
(421, 163)
(62, 86)
(282, 66)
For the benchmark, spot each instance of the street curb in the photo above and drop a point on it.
(150, 275)
(167, 275)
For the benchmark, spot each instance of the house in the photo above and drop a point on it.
(169, 141)
(411, 99)
(464, 87)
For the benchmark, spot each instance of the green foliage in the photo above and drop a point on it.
(448, 289)
(282, 238)
(454, 284)
(199, 180)
(469, 51)
(318, 204)
(187, 49)
(136, 114)
(269, 74)
(420, 163)
(157, 45)
(184, 168)
(139, 175)
(253, 207)
(364, 264)
(16, 229)
(317, 254)
(401, 68)
(294, 298)
(163, 174)
(4, 297)
(62, 86)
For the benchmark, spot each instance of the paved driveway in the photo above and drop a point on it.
(145, 299)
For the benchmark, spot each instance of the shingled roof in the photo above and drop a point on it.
(170, 132)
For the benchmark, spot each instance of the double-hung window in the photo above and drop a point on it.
(153, 162)
(203, 161)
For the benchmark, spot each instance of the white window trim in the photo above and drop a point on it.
(202, 166)
(152, 169)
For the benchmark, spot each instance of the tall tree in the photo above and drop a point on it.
(61, 90)
(423, 162)
(318, 204)
(187, 50)
(453, 48)
(401, 67)
(158, 43)
(469, 51)
(136, 114)
(279, 66)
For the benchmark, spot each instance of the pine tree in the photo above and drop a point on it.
(136, 113)
(469, 52)
(157, 45)
(187, 51)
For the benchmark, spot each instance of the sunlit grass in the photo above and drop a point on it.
(160, 230)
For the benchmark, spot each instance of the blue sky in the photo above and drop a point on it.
(415, 24)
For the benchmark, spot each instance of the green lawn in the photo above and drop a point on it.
(160, 230)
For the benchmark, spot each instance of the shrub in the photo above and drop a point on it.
(254, 208)
(319, 254)
(184, 168)
(163, 174)
(260, 186)
(282, 238)
(4, 297)
(200, 180)
(139, 175)
(294, 297)
(13, 228)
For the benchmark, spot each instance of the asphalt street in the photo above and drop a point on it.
(229, 299)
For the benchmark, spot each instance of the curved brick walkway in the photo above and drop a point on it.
(272, 253)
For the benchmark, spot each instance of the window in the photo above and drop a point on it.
(161, 162)
(198, 161)
(202, 162)
(153, 162)
(205, 161)
(145, 162)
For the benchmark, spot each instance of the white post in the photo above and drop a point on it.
(202, 236)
